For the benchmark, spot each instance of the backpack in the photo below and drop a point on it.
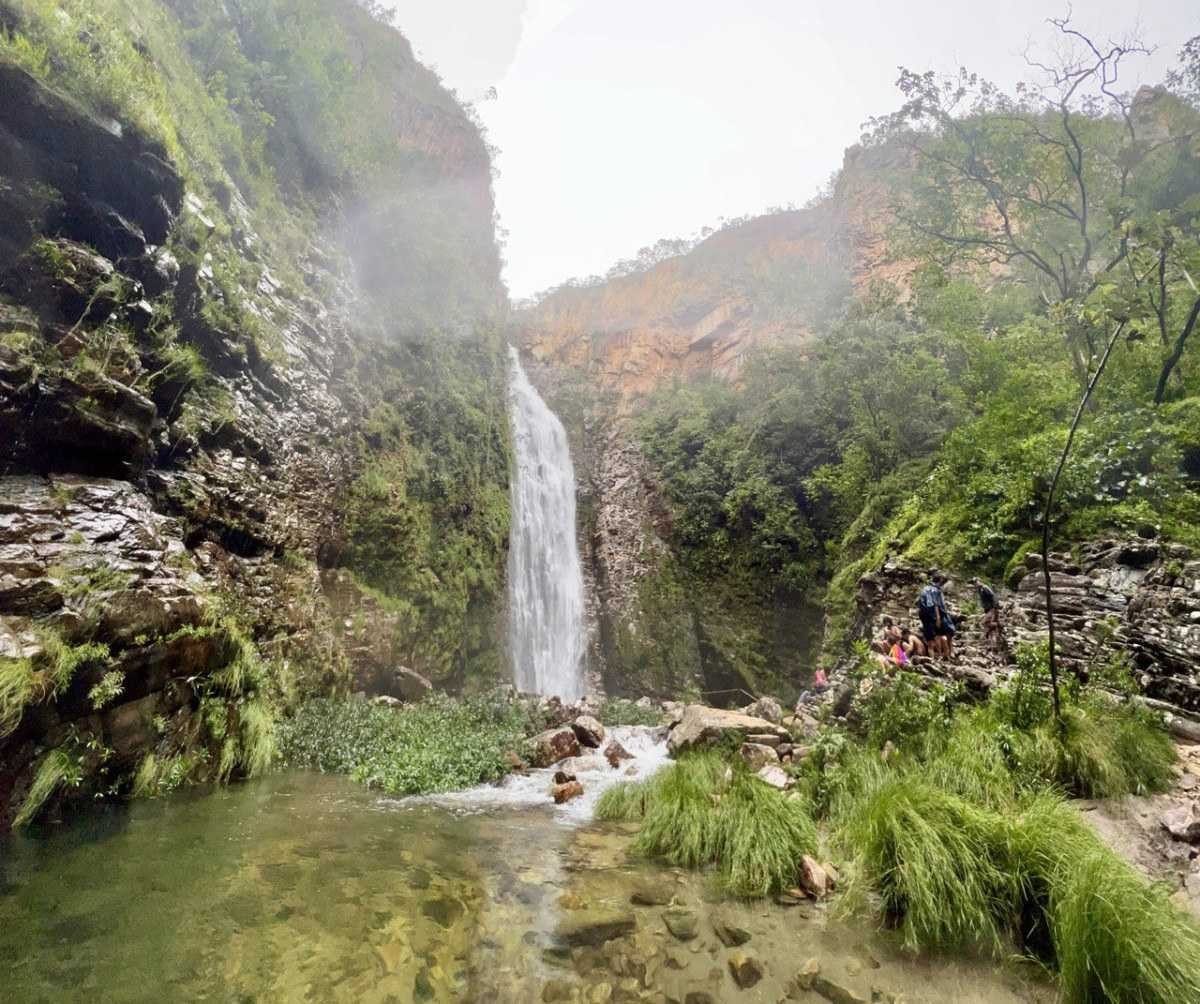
(927, 601)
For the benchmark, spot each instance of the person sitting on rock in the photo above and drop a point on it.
(937, 626)
(912, 643)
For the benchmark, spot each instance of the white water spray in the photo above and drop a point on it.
(545, 584)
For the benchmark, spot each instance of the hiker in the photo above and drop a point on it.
(820, 680)
(993, 632)
(898, 654)
(883, 645)
(937, 626)
(912, 643)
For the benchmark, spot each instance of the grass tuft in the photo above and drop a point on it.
(258, 742)
(762, 835)
(55, 769)
(680, 825)
(623, 803)
(16, 691)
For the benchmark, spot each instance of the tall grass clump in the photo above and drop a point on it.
(56, 769)
(16, 691)
(761, 837)
(680, 825)
(623, 803)
(934, 859)
(1112, 935)
(258, 742)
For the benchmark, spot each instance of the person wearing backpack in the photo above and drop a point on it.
(937, 625)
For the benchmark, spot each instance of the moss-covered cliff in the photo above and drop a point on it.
(252, 427)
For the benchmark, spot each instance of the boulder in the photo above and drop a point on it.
(745, 969)
(614, 753)
(564, 777)
(652, 894)
(814, 879)
(589, 731)
(553, 745)
(766, 740)
(775, 776)
(766, 708)
(515, 763)
(592, 928)
(701, 725)
(758, 755)
(1182, 822)
(803, 981)
(565, 792)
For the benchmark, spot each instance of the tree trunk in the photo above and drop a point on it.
(1048, 512)
(1172, 360)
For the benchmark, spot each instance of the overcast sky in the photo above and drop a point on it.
(623, 121)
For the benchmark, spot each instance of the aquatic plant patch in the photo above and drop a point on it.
(441, 744)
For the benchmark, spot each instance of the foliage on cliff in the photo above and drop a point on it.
(924, 422)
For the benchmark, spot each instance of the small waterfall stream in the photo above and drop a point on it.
(545, 584)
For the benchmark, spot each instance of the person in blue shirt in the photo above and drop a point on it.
(937, 625)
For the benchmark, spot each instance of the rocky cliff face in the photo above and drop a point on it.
(183, 412)
(1134, 598)
(768, 278)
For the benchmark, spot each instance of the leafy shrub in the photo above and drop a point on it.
(439, 745)
(620, 711)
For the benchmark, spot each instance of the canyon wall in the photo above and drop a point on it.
(196, 376)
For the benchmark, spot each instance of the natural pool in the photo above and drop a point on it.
(302, 887)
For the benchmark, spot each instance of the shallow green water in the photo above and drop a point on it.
(308, 888)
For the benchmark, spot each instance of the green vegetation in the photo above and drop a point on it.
(439, 745)
(925, 423)
(621, 711)
(427, 520)
(694, 816)
(16, 691)
(56, 770)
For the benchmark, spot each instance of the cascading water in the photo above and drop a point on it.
(545, 584)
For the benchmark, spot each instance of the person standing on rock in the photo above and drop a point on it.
(993, 632)
(937, 625)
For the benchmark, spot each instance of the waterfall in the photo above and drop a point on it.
(545, 585)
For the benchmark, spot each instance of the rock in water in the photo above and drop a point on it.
(701, 725)
(682, 923)
(614, 753)
(593, 928)
(730, 935)
(565, 792)
(589, 731)
(835, 993)
(553, 745)
(745, 969)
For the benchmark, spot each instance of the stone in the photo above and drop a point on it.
(1182, 823)
(652, 894)
(758, 755)
(593, 928)
(566, 792)
(515, 763)
(745, 969)
(549, 747)
(814, 880)
(701, 725)
(601, 993)
(766, 708)
(683, 924)
(766, 739)
(775, 776)
(803, 980)
(836, 993)
(699, 997)
(614, 753)
(730, 935)
(564, 777)
(589, 731)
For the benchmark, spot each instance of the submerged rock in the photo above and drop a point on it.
(745, 969)
(594, 928)
(730, 935)
(835, 993)
(683, 924)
